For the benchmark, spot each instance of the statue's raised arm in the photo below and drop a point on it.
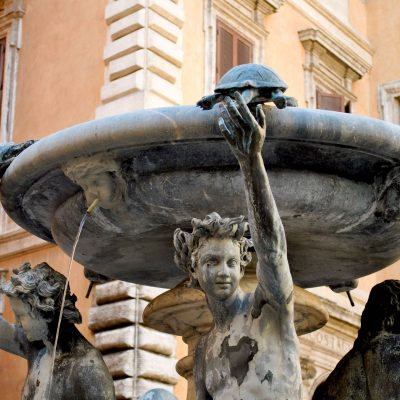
(246, 134)
(8, 338)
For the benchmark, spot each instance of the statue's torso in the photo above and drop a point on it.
(80, 370)
(38, 377)
(256, 358)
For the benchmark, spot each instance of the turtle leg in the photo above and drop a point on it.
(291, 101)
(278, 98)
(208, 102)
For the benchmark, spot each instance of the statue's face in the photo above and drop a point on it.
(35, 327)
(218, 268)
(99, 186)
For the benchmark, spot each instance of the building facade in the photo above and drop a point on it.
(67, 62)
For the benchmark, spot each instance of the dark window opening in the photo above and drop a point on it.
(232, 49)
(347, 108)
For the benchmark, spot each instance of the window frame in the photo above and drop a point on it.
(246, 22)
(329, 66)
(11, 16)
(389, 102)
(236, 37)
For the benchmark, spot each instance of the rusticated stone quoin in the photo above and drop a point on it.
(139, 358)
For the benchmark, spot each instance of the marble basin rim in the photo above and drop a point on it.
(335, 178)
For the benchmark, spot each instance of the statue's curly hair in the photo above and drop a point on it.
(188, 244)
(42, 288)
(381, 313)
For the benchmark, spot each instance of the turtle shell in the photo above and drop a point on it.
(250, 75)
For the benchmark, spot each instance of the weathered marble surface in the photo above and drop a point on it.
(35, 296)
(371, 369)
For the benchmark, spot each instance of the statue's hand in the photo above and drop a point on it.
(16, 149)
(244, 132)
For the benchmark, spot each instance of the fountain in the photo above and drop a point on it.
(334, 177)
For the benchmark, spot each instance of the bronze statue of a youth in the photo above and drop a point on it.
(79, 372)
(251, 353)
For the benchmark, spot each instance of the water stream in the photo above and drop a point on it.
(53, 358)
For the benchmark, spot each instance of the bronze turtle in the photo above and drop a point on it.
(256, 83)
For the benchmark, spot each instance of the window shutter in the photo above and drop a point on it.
(332, 102)
(243, 52)
(225, 53)
(232, 49)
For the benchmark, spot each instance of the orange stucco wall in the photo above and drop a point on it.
(358, 16)
(283, 49)
(383, 32)
(61, 69)
(193, 53)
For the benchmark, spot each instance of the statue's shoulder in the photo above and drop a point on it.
(348, 378)
(383, 352)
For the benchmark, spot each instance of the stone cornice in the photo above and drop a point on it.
(12, 9)
(19, 241)
(244, 21)
(325, 20)
(348, 57)
(9, 13)
(354, 35)
(255, 8)
(322, 79)
(268, 6)
(338, 305)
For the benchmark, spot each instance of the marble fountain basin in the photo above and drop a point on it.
(335, 178)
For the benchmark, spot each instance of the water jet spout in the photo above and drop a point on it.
(92, 206)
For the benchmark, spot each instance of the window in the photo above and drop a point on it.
(330, 68)
(332, 102)
(234, 34)
(232, 49)
(389, 99)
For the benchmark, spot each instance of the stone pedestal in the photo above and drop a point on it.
(184, 312)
